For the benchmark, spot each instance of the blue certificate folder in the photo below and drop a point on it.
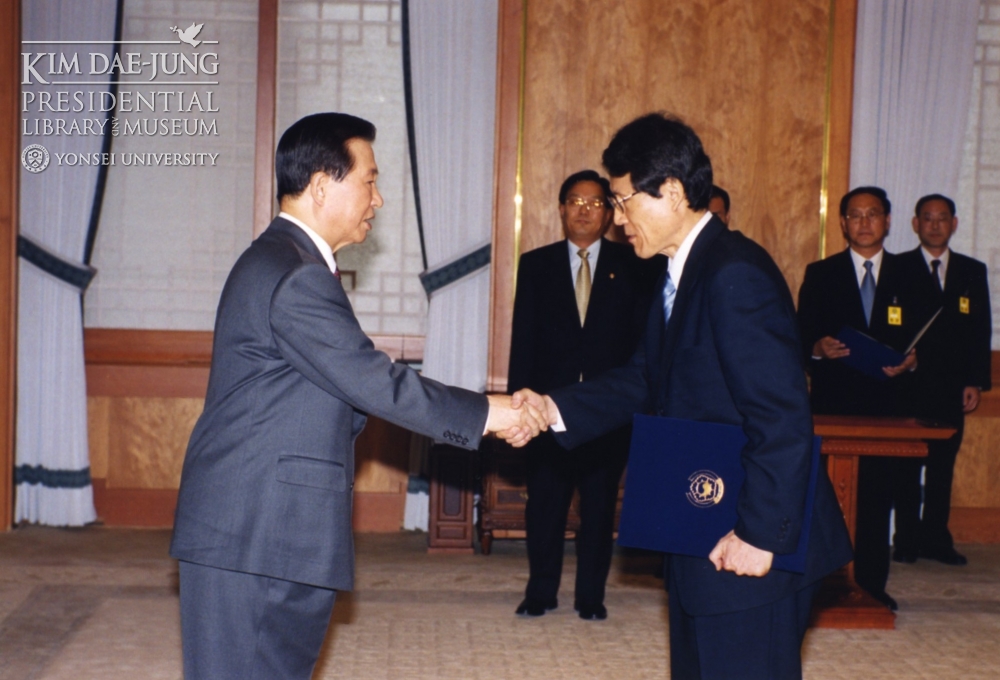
(868, 355)
(683, 484)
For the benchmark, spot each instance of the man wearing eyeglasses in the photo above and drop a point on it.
(954, 368)
(578, 311)
(721, 345)
(861, 287)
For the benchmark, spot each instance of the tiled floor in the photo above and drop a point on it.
(102, 604)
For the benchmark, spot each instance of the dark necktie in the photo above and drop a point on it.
(935, 266)
(868, 291)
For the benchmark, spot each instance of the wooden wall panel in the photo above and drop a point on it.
(749, 77)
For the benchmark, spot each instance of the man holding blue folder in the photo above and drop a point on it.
(721, 345)
(862, 289)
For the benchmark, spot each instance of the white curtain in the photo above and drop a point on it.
(978, 198)
(52, 460)
(453, 69)
(912, 83)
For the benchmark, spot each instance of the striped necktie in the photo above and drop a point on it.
(669, 293)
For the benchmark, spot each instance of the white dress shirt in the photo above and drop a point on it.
(942, 268)
(324, 248)
(859, 265)
(677, 262)
(575, 261)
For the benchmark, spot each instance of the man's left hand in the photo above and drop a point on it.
(909, 364)
(970, 399)
(736, 555)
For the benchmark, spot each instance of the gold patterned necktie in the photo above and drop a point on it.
(583, 284)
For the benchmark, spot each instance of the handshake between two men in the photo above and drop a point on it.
(519, 418)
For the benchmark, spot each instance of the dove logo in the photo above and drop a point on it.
(189, 35)
(35, 158)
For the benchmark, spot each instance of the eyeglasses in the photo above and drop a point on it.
(581, 203)
(871, 216)
(619, 203)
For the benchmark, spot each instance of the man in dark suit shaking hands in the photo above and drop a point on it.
(954, 368)
(263, 523)
(580, 307)
(721, 344)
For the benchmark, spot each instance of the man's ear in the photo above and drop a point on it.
(319, 187)
(673, 191)
(916, 225)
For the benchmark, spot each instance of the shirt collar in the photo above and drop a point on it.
(593, 250)
(928, 258)
(324, 248)
(859, 261)
(679, 259)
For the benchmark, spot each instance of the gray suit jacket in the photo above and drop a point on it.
(268, 476)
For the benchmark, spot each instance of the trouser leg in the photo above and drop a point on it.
(941, 455)
(871, 538)
(906, 502)
(238, 626)
(762, 643)
(598, 486)
(549, 493)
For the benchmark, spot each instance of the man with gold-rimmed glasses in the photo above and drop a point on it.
(579, 310)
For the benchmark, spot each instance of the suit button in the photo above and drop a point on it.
(352, 486)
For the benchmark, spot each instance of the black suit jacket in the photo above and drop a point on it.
(954, 353)
(549, 348)
(730, 354)
(830, 299)
(268, 478)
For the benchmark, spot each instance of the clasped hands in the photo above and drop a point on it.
(519, 418)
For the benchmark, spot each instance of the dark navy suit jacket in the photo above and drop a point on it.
(267, 482)
(830, 299)
(955, 351)
(730, 354)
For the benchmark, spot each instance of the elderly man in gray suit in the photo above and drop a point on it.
(263, 524)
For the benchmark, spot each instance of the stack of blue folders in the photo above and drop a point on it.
(683, 484)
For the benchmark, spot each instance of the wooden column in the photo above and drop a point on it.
(10, 17)
(507, 189)
(267, 70)
(840, 107)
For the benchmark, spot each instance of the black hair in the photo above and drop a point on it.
(658, 147)
(877, 192)
(585, 176)
(934, 197)
(317, 143)
(719, 192)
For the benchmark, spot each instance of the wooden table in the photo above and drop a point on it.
(842, 603)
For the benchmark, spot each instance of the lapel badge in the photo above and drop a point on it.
(705, 489)
(963, 305)
(895, 316)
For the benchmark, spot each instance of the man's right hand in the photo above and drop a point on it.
(830, 348)
(516, 423)
(541, 403)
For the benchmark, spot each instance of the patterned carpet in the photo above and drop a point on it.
(101, 604)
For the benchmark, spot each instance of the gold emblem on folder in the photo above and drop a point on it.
(705, 489)
(963, 305)
(895, 316)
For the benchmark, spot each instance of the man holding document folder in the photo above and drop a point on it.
(721, 346)
(862, 291)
